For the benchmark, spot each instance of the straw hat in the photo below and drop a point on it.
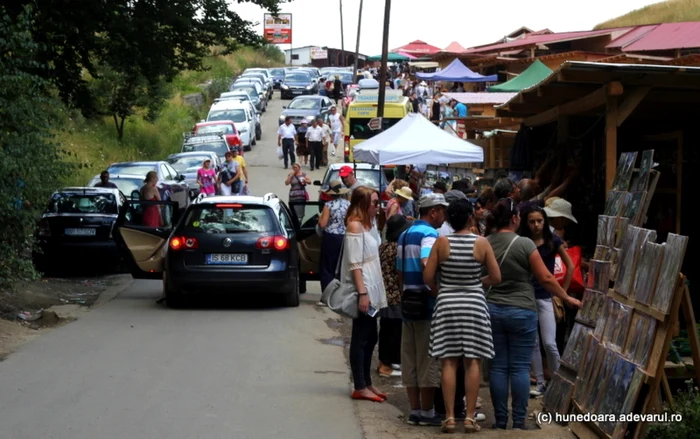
(405, 192)
(336, 188)
(560, 209)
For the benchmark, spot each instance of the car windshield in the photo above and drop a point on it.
(277, 72)
(132, 169)
(252, 91)
(366, 177)
(304, 104)
(236, 115)
(359, 128)
(220, 148)
(225, 128)
(253, 75)
(231, 218)
(346, 77)
(297, 78)
(82, 203)
(188, 164)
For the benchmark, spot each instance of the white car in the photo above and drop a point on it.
(243, 116)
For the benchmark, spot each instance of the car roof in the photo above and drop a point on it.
(120, 176)
(194, 140)
(141, 163)
(230, 105)
(256, 69)
(215, 122)
(335, 166)
(193, 154)
(269, 199)
(85, 189)
(317, 97)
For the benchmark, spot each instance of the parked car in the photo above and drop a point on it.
(171, 184)
(188, 163)
(242, 115)
(306, 108)
(214, 143)
(225, 127)
(298, 83)
(368, 174)
(76, 227)
(277, 77)
(229, 245)
(267, 81)
(313, 71)
(238, 95)
(256, 92)
(128, 184)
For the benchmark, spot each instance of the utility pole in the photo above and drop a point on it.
(357, 46)
(385, 56)
(342, 38)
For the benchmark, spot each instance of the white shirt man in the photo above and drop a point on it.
(314, 136)
(287, 138)
(314, 133)
(336, 122)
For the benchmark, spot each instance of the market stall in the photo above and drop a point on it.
(456, 72)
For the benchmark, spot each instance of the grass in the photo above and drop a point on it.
(93, 144)
(670, 11)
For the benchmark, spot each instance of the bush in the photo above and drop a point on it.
(687, 405)
(31, 162)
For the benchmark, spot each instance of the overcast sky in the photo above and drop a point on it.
(437, 22)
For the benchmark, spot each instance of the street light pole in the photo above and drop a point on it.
(357, 45)
(385, 59)
(342, 36)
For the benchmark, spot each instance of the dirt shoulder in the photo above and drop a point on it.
(35, 308)
(387, 420)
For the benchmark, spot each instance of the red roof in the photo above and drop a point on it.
(667, 36)
(629, 37)
(454, 47)
(418, 47)
(531, 39)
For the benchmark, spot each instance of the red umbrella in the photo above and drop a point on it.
(418, 47)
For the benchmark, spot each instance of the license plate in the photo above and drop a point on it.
(296, 92)
(227, 259)
(80, 232)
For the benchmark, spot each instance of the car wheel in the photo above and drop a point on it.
(173, 296)
(254, 140)
(258, 134)
(291, 299)
(302, 285)
(249, 146)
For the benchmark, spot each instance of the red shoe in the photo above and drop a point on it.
(357, 395)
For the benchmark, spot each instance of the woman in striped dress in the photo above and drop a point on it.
(461, 329)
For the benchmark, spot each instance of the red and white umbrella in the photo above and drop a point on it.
(418, 48)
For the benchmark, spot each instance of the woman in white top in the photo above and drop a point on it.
(362, 268)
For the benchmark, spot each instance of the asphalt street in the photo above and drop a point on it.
(134, 369)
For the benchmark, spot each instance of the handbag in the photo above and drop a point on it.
(341, 297)
(559, 311)
(414, 301)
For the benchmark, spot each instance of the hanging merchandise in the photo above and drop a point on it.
(520, 153)
(577, 286)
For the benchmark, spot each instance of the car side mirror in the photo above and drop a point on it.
(180, 177)
(284, 107)
(317, 182)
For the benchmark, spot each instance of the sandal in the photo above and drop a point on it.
(446, 427)
(471, 428)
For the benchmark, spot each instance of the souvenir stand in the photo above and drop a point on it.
(615, 357)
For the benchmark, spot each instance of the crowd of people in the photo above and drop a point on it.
(455, 277)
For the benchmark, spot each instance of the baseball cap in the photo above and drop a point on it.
(345, 171)
(432, 200)
(440, 185)
(453, 195)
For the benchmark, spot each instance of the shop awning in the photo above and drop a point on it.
(423, 64)
(531, 76)
(391, 57)
(456, 72)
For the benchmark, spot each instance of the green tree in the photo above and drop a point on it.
(30, 162)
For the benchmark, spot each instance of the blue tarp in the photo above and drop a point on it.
(456, 72)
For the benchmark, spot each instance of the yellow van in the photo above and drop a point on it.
(363, 108)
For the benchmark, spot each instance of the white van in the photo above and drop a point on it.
(242, 115)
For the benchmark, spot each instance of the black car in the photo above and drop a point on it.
(77, 227)
(298, 83)
(306, 108)
(171, 184)
(237, 245)
(277, 77)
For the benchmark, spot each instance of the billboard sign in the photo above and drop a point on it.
(278, 30)
(319, 53)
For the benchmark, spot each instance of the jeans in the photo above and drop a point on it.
(514, 330)
(288, 149)
(548, 333)
(362, 343)
(316, 154)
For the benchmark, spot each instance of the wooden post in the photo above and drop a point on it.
(610, 141)
(492, 152)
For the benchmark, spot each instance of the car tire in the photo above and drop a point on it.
(302, 285)
(173, 296)
(291, 298)
(258, 134)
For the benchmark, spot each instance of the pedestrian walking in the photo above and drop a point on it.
(229, 176)
(206, 178)
(314, 137)
(336, 121)
(361, 268)
(337, 88)
(303, 149)
(327, 140)
(297, 181)
(287, 139)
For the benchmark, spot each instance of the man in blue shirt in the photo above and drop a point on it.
(420, 373)
(461, 109)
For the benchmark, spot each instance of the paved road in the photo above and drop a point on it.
(133, 369)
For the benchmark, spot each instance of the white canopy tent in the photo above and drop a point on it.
(414, 140)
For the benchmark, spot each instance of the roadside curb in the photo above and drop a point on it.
(111, 293)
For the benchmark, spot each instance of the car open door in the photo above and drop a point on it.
(141, 232)
(305, 215)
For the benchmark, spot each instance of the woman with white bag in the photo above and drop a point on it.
(362, 269)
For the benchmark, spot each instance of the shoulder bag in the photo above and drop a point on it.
(341, 297)
(503, 258)
(414, 301)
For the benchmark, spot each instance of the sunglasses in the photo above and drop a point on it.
(376, 203)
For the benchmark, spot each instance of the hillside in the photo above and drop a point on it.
(664, 12)
(93, 144)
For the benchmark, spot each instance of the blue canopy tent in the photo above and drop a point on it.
(456, 72)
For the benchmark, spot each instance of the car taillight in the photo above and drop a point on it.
(269, 242)
(180, 242)
(44, 229)
(347, 147)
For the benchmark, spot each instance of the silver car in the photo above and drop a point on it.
(188, 163)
